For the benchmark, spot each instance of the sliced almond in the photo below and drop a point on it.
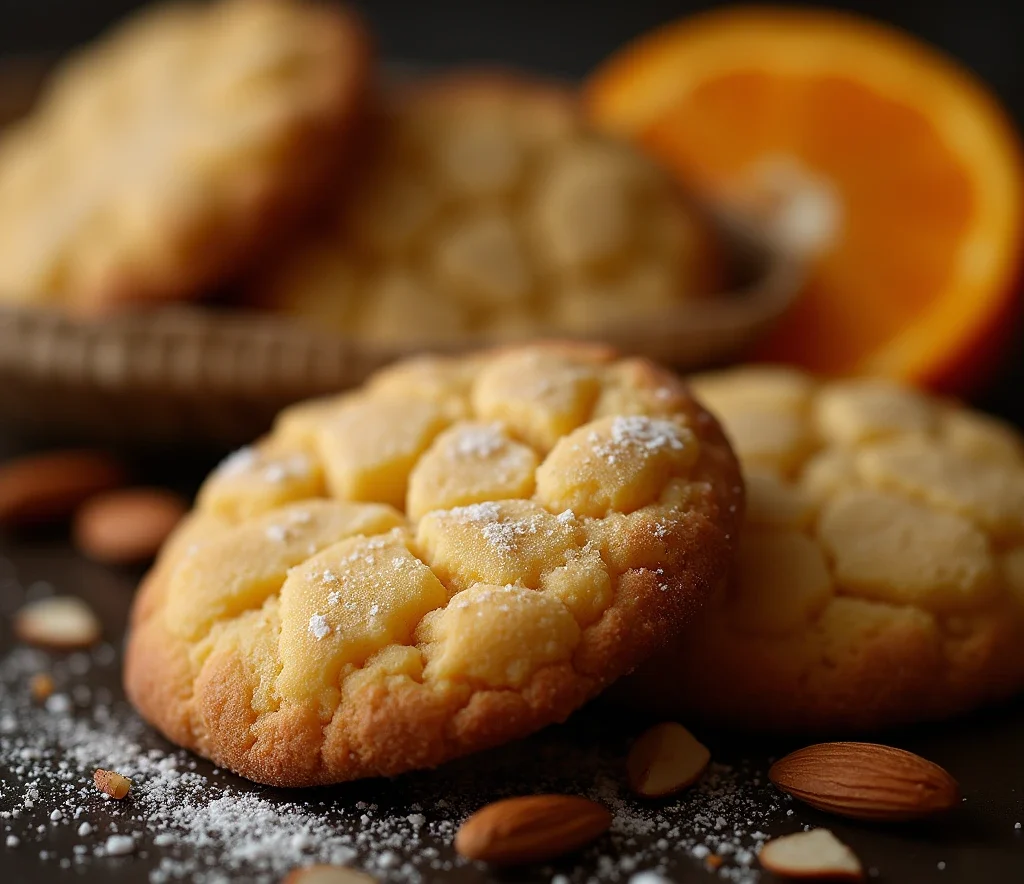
(48, 487)
(866, 781)
(322, 874)
(111, 783)
(61, 622)
(534, 828)
(816, 854)
(41, 686)
(664, 760)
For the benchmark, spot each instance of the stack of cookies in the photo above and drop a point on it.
(469, 548)
(236, 149)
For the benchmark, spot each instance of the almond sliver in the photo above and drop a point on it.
(816, 854)
(665, 759)
(62, 622)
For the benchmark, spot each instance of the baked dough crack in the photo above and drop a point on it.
(459, 553)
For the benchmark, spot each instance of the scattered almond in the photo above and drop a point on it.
(111, 783)
(60, 622)
(127, 526)
(328, 875)
(664, 760)
(49, 487)
(41, 686)
(866, 781)
(533, 828)
(816, 854)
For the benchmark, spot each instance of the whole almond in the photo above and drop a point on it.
(530, 829)
(127, 526)
(49, 487)
(665, 759)
(866, 781)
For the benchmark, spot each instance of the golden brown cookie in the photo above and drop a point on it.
(458, 554)
(881, 567)
(166, 155)
(488, 208)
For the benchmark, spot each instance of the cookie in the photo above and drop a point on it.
(163, 158)
(487, 208)
(455, 555)
(881, 568)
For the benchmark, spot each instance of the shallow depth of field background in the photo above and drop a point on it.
(571, 37)
(567, 37)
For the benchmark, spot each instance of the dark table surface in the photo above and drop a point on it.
(192, 822)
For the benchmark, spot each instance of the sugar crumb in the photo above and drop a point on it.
(318, 626)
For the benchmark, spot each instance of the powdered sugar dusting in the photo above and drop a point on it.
(488, 595)
(295, 467)
(503, 536)
(238, 462)
(276, 533)
(478, 441)
(249, 462)
(503, 532)
(638, 435)
(475, 512)
(203, 829)
(318, 626)
(186, 821)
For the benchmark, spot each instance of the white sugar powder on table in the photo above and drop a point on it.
(196, 828)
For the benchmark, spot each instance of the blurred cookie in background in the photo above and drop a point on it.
(487, 208)
(880, 575)
(164, 157)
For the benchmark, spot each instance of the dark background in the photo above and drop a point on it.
(567, 37)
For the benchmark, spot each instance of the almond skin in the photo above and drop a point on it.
(328, 875)
(49, 487)
(530, 829)
(866, 781)
(128, 525)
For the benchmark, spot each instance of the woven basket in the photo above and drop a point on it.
(198, 378)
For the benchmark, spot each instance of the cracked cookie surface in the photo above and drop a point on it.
(881, 566)
(163, 157)
(455, 555)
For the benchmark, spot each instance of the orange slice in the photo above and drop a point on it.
(887, 163)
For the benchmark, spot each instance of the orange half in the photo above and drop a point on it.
(896, 167)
